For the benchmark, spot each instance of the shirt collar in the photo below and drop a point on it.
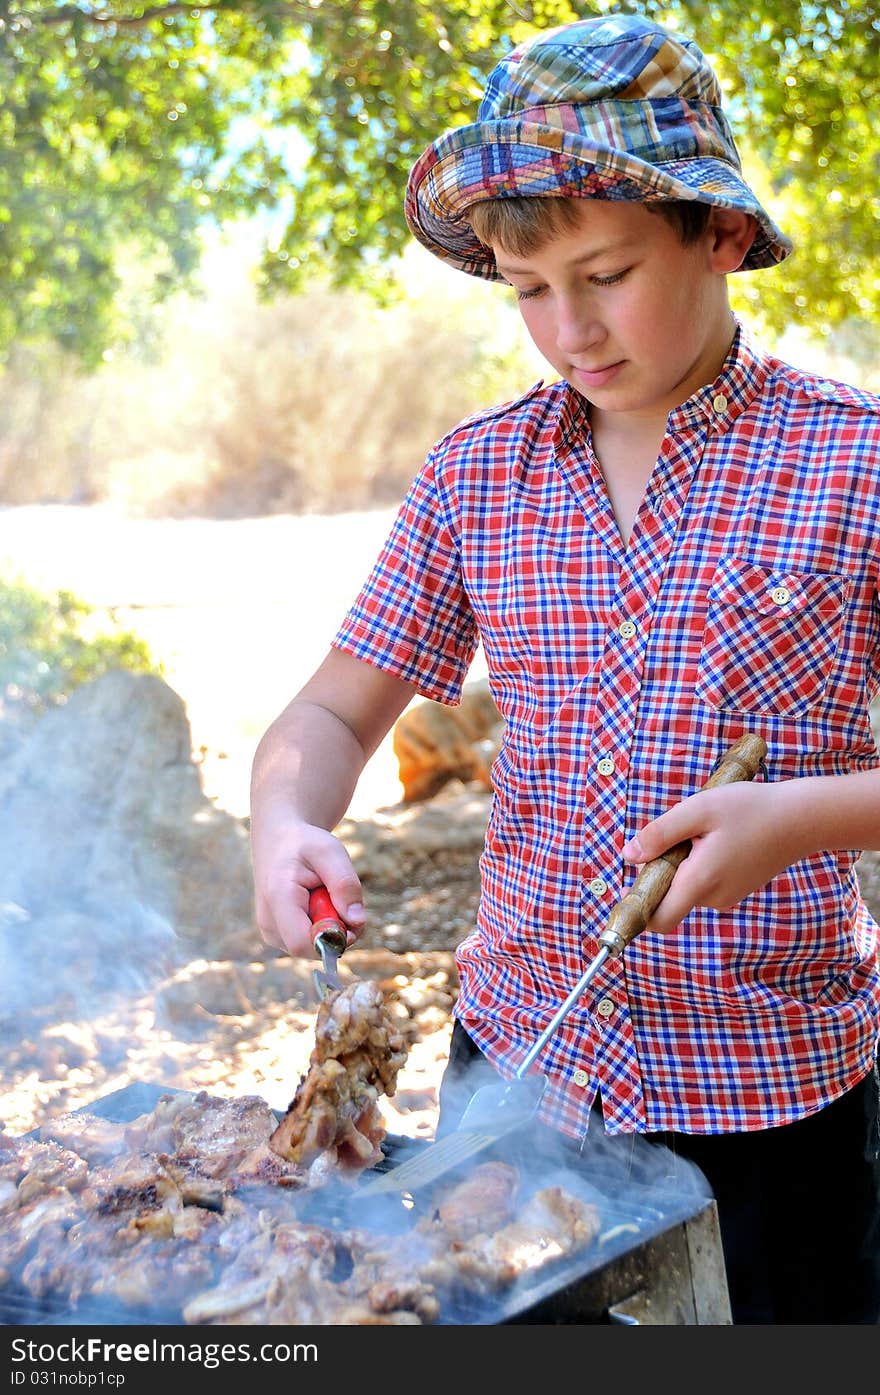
(717, 405)
(714, 406)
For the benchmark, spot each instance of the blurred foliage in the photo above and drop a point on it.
(257, 407)
(50, 644)
(128, 123)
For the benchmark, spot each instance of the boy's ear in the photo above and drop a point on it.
(731, 234)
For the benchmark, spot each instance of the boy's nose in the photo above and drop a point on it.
(577, 329)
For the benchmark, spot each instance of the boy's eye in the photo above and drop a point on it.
(612, 279)
(609, 280)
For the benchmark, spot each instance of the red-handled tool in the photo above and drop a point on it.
(329, 939)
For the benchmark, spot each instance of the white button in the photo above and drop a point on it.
(580, 1077)
(626, 630)
(605, 1007)
(781, 595)
(605, 766)
(719, 403)
(598, 886)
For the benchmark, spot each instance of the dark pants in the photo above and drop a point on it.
(798, 1205)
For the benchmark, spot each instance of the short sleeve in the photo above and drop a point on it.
(412, 617)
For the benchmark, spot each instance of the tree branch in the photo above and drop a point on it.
(65, 13)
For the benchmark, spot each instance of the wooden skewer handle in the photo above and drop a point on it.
(631, 914)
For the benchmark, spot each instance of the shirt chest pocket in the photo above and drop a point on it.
(771, 638)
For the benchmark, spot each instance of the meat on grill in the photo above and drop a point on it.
(284, 1273)
(333, 1122)
(550, 1225)
(482, 1202)
(28, 1167)
(165, 1232)
(196, 1209)
(449, 1251)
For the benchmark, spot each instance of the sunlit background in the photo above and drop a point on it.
(222, 360)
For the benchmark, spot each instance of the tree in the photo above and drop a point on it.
(127, 124)
(51, 643)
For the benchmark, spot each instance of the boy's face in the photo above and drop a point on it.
(632, 318)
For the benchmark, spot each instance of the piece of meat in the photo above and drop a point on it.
(264, 1167)
(275, 1269)
(42, 1225)
(207, 1181)
(149, 1270)
(196, 1189)
(482, 1202)
(95, 1139)
(28, 1167)
(448, 1251)
(334, 1120)
(216, 1134)
(552, 1224)
(382, 1264)
(136, 1191)
(410, 1294)
(284, 1274)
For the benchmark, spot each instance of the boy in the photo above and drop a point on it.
(676, 542)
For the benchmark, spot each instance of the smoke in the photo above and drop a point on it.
(80, 959)
(624, 1172)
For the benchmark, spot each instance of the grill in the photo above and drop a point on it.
(658, 1259)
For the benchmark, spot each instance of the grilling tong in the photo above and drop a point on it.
(495, 1110)
(329, 939)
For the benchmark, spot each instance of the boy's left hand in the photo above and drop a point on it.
(738, 840)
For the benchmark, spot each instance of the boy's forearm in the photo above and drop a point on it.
(307, 766)
(825, 812)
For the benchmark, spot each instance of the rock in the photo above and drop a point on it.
(103, 816)
(435, 743)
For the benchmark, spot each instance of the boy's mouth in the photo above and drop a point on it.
(595, 377)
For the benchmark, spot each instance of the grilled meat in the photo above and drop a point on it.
(189, 1211)
(220, 1135)
(333, 1122)
(97, 1140)
(550, 1225)
(150, 1269)
(277, 1267)
(450, 1251)
(28, 1167)
(286, 1273)
(42, 1224)
(481, 1203)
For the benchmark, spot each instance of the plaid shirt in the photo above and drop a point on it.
(746, 600)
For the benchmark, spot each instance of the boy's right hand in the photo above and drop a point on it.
(306, 767)
(288, 864)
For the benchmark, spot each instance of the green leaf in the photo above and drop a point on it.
(50, 644)
(132, 123)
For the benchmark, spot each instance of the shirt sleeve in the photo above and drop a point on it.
(412, 617)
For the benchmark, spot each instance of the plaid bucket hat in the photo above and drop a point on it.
(611, 108)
